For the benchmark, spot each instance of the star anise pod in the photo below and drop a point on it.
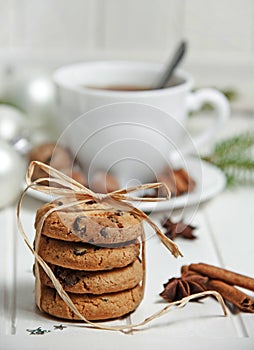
(178, 229)
(187, 284)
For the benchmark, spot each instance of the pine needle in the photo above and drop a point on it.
(234, 156)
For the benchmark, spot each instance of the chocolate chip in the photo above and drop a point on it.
(65, 276)
(58, 270)
(78, 225)
(113, 218)
(71, 280)
(103, 232)
(119, 212)
(79, 251)
(60, 203)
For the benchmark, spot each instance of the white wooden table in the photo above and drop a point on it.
(225, 238)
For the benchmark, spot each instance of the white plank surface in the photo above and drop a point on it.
(198, 319)
(227, 25)
(54, 24)
(224, 238)
(7, 271)
(6, 23)
(142, 24)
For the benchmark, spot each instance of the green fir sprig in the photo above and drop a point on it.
(234, 156)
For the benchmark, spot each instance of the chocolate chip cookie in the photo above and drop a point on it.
(88, 257)
(108, 281)
(96, 223)
(92, 307)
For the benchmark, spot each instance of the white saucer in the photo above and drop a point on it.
(209, 179)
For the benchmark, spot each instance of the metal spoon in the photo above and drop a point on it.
(170, 68)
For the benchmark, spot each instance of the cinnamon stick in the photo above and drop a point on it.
(243, 301)
(224, 275)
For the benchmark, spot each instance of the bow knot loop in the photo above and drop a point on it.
(119, 198)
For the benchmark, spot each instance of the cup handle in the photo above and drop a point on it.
(222, 111)
(195, 101)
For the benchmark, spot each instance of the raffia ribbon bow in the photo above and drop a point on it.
(119, 199)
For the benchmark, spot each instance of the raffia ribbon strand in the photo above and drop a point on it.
(118, 199)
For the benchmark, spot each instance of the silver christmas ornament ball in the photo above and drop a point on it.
(12, 173)
(13, 123)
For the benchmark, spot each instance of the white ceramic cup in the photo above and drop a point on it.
(116, 130)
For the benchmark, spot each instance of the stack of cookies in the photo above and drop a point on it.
(93, 250)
